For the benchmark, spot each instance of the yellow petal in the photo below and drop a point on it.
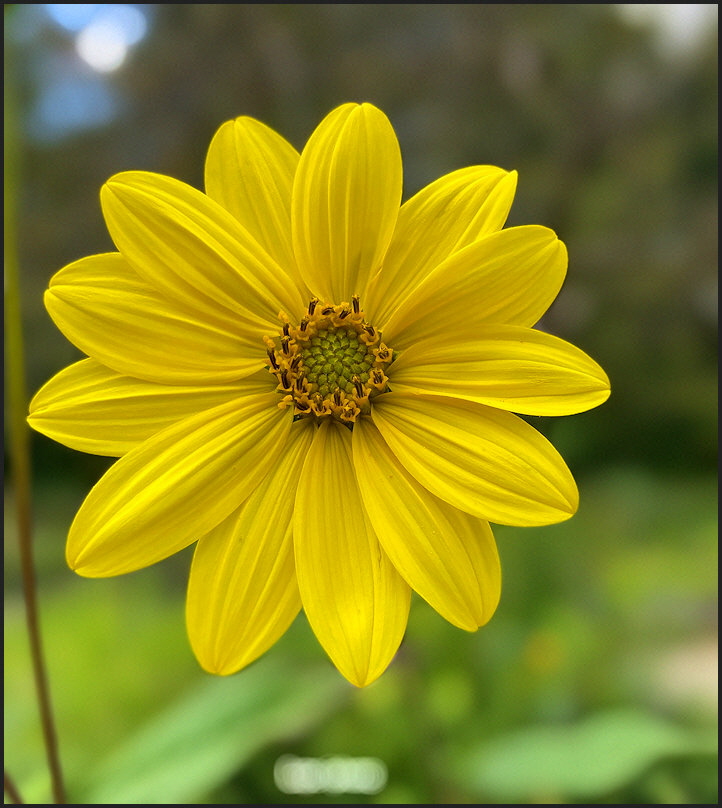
(445, 555)
(194, 251)
(439, 220)
(175, 487)
(510, 367)
(249, 171)
(486, 462)
(104, 308)
(242, 592)
(91, 408)
(355, 601)
(345, 201)
(511, 276)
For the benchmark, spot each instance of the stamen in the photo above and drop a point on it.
(272, 358)
(379, 379)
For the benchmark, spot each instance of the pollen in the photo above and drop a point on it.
(332, 364)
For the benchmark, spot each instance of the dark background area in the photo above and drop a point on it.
(606, 634)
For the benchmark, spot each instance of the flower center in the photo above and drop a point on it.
(331, 363)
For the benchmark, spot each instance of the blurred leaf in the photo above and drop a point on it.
(605, 752)
(212, 731)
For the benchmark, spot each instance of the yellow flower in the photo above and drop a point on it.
(316, 384)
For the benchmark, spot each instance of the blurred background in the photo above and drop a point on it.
(596, 681)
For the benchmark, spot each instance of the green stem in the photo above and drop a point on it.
(12, 791)
(19, 448)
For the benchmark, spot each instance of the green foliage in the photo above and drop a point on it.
(583, 761)
(595, 681)
(211, 732)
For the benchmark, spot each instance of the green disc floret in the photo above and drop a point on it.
(333, 357)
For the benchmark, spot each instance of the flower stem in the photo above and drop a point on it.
(11, 790)
(19, 450)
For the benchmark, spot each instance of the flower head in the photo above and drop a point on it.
(316, 384)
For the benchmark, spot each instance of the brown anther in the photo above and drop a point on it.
(319, 406)
(312, 305)
(303, 325)
(295, 362)
(286, 327)
(285, 345)
(355, 302)
(337, 397)
(272, 358)
(284, 380)
(359, 387)
(370, 330)
(327, 310)
(344, 313)
(349, 412)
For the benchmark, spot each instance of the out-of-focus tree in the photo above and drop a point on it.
(615, 145)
